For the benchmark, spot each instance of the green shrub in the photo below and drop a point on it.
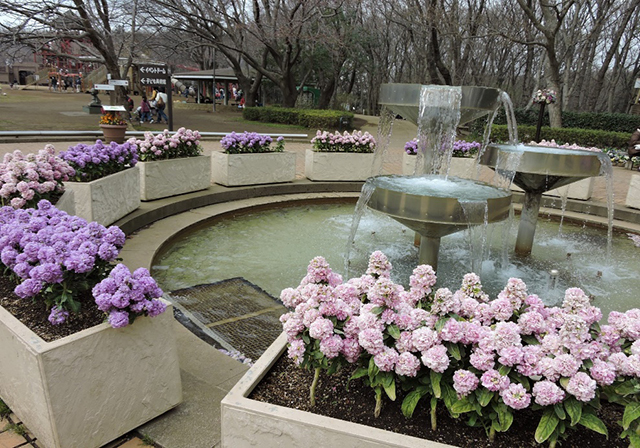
(582, 120)
(309, 118)
(582, 137)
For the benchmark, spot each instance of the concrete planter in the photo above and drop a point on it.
(108, 199)
(578, 190)
(247, 423)
(232, 170)
(338, 166)
(84, 390)
(460, 166)
(164, 178)
(633, 195)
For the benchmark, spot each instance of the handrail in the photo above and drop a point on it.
(99, 133)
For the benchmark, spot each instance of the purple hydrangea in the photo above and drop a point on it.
(99, 160)
(58, 315)
(124, 293)
(250, 142)
(357, 141)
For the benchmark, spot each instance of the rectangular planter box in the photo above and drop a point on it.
(578, 190)
(108, 199)
(84, 390)
(338, 166)
(234, 170)
(164, 178)
(633, 194)
(248, 423)
(460, 167)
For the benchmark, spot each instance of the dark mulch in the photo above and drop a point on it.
(34, 314)
(287, 385)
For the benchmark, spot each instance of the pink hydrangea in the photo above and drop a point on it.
(531, 322)
(405, 342)
(379, 265)
(464, 382)
(407, 365)
(493, 381)
(291, 297)
(502, 308)
(436, 358)
(331, 346)
(372, 340)
(516, 396)
(351, 349)
(296, 351)
(422, 280)
(582, 386)
(321, 328)
(424, 338)
(574, 300)
(482, 359)
(566, 365)
(510, 356)
(547, 393)
(603, 372)
(451, 331)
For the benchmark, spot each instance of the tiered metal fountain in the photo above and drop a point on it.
(537, 169)
(429, 203)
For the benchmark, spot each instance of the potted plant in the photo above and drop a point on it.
(92, 386)
(106, 184)
(171, 164)
(340, 157)
(249, 159)
(480, 361)
(113, 126)
(25, 180)
(463, 158)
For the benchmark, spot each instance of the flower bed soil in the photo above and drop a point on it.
(34, 314)
(288, 385)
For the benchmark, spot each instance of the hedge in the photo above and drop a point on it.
(309, 118)
(582, 137)
(582, 120)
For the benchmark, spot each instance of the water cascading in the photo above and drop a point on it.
(428, 202)
(537, 169)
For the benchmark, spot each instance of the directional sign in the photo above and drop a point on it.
(158, 71)
(118, 82)
(148, 81)
(104, 87)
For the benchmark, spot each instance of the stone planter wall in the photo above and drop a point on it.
(234, 170)
(164, 178)
(460, 167)
(578, 190)
(84, 390)
(248, 423)
(108, 199)
(338, 166)
(633, 195)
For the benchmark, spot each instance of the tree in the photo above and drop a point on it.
(105, 29)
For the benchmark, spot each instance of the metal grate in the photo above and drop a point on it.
(236, 312)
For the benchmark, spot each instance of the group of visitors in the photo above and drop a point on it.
(151, 110)
(65, 82)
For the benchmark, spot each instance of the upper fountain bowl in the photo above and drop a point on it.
(404, 100)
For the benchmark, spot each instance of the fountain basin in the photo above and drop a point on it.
(404, 99)
(540, 168)
(435, 206)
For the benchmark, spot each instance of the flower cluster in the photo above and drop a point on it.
(24, 180)
(553, 144)
(357, 141)
(480, 358)
(544, 96)
(56, 256)
(411, 147)
(462, 148)
(125, 296)
(93, 162)
(112, 119)
(250, 142)
(183, 143)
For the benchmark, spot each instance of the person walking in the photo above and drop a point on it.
(161, 104)
(145, 111)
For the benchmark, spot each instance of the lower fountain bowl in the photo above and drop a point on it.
(436, 206)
